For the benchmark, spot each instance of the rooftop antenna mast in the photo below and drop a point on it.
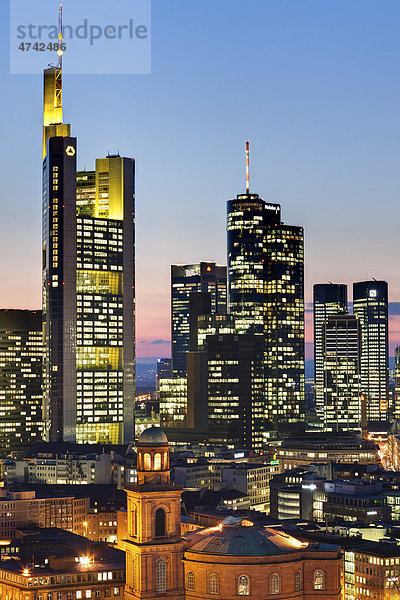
(60, 58)
(247, 167)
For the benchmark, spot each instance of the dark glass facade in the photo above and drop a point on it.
(266, 297)
(328, 299)
(370, 306)
(235, 390)
(185, 280)
(21, 370)
(341, 373)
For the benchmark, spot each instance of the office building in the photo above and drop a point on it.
(266, 297)
(284, 328)
(21, 366)
(235, 390)
(173, 402)
(20, 509)
(370, 306)
(88, 293)
(329, 299)
(51, 564)
(164, 371)
(185, 280)
(299, 450)
(213, 325)
(341, 373)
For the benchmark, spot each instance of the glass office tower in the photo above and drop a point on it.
(370, 306)
(21, 370)
(341, 373)
(185, 280)
(266, 297)
(329, 299)
(88, 295)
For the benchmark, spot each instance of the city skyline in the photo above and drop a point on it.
(341, 158)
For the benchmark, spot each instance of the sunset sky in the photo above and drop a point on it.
(314, 85)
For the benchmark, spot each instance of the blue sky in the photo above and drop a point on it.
(314, 85)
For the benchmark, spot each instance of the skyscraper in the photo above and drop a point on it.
(236, 408)
(284, 327)
(370, 306)
(88, 291)
(266, 297)
(185, 280)
(329, 299)
(21, 369)
(341, 373)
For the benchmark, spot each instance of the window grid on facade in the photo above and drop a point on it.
(161, 575)
(213, 584)
(243, 585)
(190, 581)
(319, 580)
(274, 584)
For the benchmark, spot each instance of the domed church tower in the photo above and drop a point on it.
(154, 547)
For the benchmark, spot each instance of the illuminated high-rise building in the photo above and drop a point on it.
(266, 297)
(88, 291)
(329, 299)
(185, 280)
(370, 306)
(341, 373)
(236, 407)
(21, 370)
(284, 327)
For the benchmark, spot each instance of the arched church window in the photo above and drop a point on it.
(157, 462)
(147, 462)
(160, 523)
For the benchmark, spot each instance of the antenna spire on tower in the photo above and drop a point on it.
(247, 166)
(60, 37)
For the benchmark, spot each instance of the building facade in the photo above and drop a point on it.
(328, 299)
(266, 297)
(341, 372)
(186, 280)
(370, 306)
(21, 369)
(235, 390)
(88, 294)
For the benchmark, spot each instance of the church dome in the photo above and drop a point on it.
(233, 538)
(152, 436)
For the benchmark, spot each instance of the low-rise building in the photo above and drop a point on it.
(322, 447)
(252, 480)
(51, 564)
(21, 509)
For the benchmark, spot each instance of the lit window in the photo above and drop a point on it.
(147, 462)
(213, 584)
(78, 594)
(161, 574)
(157, 462)
(274, 584)
(88, 593)
(319, 580)
(243, 585)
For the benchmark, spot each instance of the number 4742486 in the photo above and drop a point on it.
(41, 47)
